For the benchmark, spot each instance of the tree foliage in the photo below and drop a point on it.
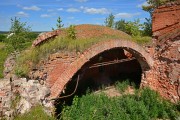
(147, 27)
(109, 21)
(120, 25)
(129, 27)
(59, 24)
(2, 37)
(19, 34)
(71, 32)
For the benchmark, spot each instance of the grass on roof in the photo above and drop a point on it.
(86, 36)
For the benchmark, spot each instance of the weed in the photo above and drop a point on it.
(36, 113)
(145, 105)
(3, 55)
(122, 86)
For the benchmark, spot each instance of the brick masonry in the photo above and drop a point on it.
(163, 58)
(165, 74)
(160, 63)
(46, 36)
(60, 75)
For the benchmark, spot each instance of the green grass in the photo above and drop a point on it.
(143, 40)
(122, 86)
(3, 55)
(31, 57)
(36, 113)
(144, 105)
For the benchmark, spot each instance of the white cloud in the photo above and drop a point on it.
(81, 0)
(45, 16)
(35, 8)
(60, 9)
(73, 10)
(96, 10)
(22, 14)
(142, 4)
(126, 15)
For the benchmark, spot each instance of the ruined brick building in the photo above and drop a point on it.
(164, 76)
(157, 66)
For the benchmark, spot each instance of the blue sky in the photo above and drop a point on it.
(41, 15)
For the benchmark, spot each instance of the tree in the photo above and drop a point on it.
(71, 32)
(120, 25)
(147, 26)
(109, 22)
(133, 28)
(19, 34)
(129, 27)
(59, 23)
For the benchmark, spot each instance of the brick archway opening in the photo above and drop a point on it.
(105, 69)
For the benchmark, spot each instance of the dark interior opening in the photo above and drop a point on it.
(93, 78)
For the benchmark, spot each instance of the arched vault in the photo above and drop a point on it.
(144, 58)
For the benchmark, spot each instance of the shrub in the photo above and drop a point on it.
(71, 32)
(2, 37)
(122, 86)
(145, 105)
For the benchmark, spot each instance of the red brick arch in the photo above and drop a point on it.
(141, 55)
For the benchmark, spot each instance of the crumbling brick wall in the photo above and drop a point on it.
(165, 74)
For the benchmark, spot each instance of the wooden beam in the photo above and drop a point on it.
(111, 62)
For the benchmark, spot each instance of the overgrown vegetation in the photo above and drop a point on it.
(109, 21)
(19, 34)
(122, 86)
(144, 105)
(133, 28)
(30, 58)
(36, 113)
(59, 24)
(26, 61)
(71, 32)
(2, 37)
(3, 55)
(143, 40)
(19, 39)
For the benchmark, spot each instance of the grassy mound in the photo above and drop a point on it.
(86, 36)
